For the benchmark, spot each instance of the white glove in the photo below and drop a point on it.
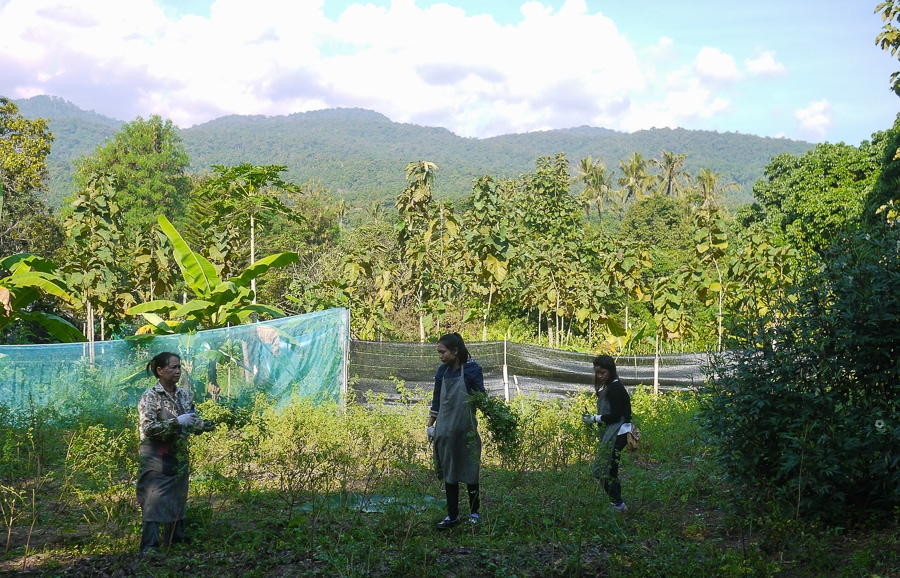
(430, 432)
(187, 419)
(589, 419)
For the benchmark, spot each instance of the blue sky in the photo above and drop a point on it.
(800, 69)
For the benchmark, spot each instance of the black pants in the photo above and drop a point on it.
(611, 479)
(453, 499)
(173, 532)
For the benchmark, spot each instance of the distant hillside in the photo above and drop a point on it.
(76, 133)
(361, 154)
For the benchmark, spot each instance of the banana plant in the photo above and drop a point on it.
(216, 302)
(31, 277)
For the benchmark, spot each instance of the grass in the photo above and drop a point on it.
(313, 491)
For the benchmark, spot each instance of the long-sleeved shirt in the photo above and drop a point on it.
(158, 411)
(472, 375)
(619, 403)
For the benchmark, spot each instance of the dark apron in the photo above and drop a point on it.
(162, 485)
(607, 442)
(457, 445)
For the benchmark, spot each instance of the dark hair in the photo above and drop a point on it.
(454, 341)
(607, 363)
(160, 360)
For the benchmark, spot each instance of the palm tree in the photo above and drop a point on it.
(375, 211)
(634, 180)
(671, 167)
(709, 192)
(597, 183)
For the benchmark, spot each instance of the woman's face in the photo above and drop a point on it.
(447, 356)
(169, 374)
(601, 374)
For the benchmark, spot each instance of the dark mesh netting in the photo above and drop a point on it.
(530, 369)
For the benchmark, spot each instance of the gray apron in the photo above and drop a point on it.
(457, 445)
(162, 486)
(604, 451)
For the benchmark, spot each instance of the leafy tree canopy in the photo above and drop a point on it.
(659, 222)
(148, 161)
(889, 38)
(815, 197)
(805, 414)
(26, 223)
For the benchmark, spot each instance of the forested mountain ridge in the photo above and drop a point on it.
(360, 154)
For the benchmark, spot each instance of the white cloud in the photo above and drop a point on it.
(435, 66)
(663, 51)
(715, 66)
(469, 73)
(815, 119)
(764, 64)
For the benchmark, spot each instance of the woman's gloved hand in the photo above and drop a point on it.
(187, 419)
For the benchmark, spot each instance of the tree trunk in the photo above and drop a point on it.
(719, 328)
(656, 368)
(253, 257)
(486, 313)
(90, 329)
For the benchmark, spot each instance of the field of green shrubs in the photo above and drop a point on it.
(321, 490)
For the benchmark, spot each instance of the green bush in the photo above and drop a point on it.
(806, 418)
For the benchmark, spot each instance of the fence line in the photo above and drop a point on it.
(512, 369)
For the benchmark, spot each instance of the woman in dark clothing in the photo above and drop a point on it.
(457, 445)
(167, 416)
(614, 412)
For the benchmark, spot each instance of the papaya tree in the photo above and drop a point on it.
(246, 195)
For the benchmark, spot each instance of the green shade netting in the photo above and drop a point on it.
(302, 356)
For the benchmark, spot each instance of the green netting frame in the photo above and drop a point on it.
(303, 356)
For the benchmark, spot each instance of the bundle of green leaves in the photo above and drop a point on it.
(502, 423)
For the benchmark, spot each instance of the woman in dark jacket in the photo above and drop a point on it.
(457, 445)
(614, 414)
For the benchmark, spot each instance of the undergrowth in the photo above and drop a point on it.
(319, 490)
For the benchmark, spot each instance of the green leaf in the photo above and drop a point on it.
(45, 282)
(56, 326)
(198, 273)
(158, 306)
(192, 306)
(263, 265)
